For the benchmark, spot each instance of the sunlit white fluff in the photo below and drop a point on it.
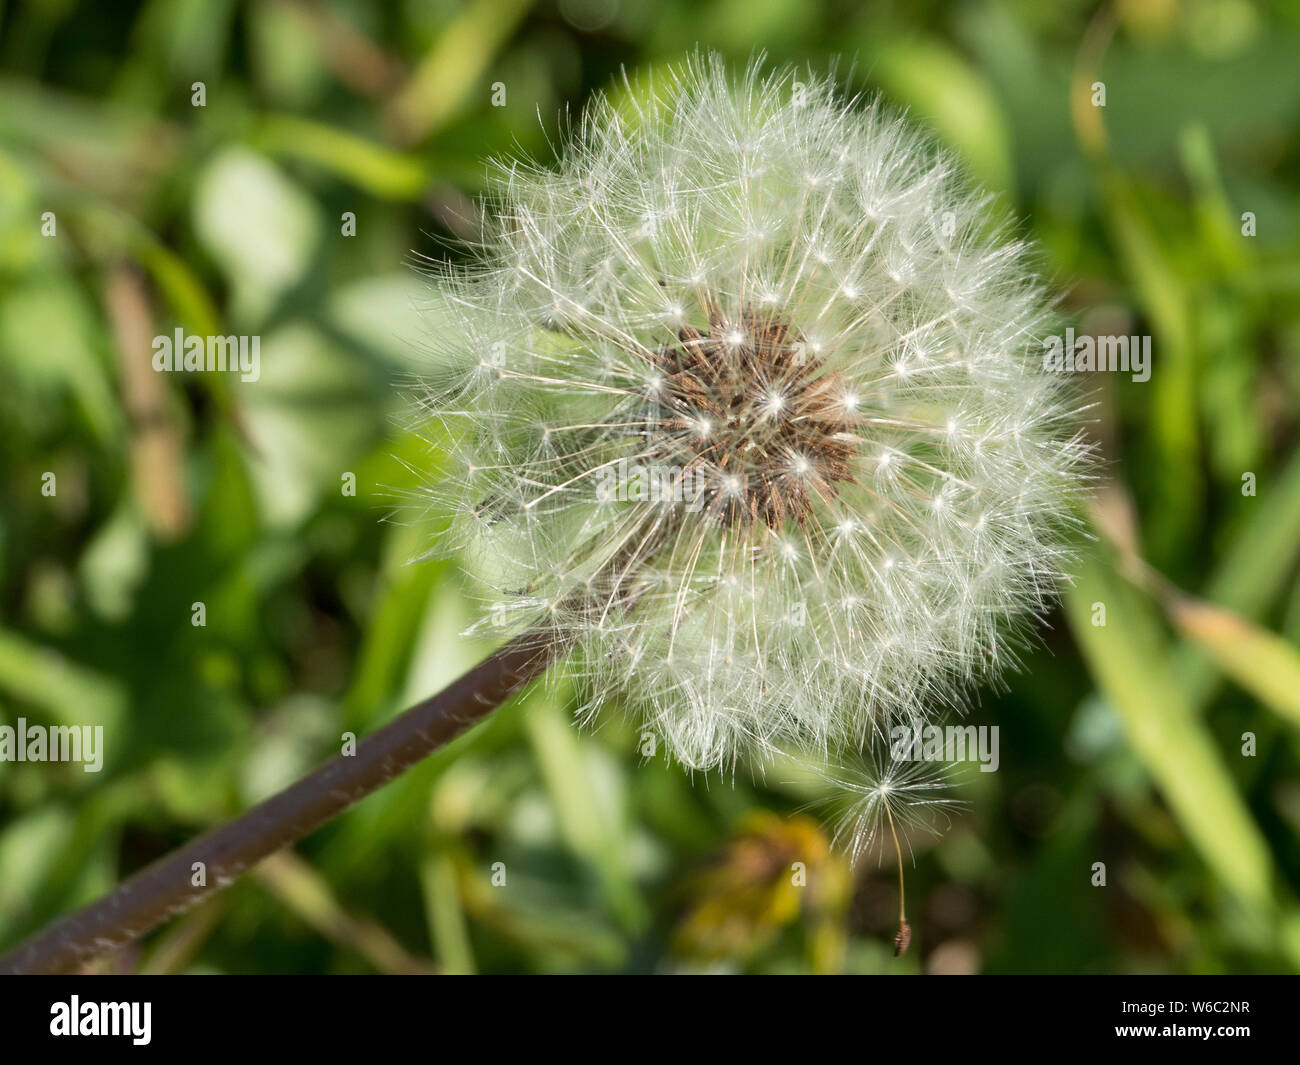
(764, 203)
(883, 798)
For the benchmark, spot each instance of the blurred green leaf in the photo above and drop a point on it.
(1130, 662)
(1265, 543)
(1265, 665)
(260, 227)
(441, 84)
(311, 416)
(374, 169)
(53, 341)
(938, 85)
(593, 823)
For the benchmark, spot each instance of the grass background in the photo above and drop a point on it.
(1121, 744)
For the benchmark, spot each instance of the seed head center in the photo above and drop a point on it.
(749, 408)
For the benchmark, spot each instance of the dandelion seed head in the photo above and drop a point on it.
(854, 474)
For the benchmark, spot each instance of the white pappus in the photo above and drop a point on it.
(744, 395)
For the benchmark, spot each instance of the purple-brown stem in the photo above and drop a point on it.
(166, 888)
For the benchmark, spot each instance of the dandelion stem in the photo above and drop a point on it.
(196, 871)
(904, 934)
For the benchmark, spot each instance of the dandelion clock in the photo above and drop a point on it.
(744, 403)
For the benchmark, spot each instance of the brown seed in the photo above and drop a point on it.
(777, 453)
